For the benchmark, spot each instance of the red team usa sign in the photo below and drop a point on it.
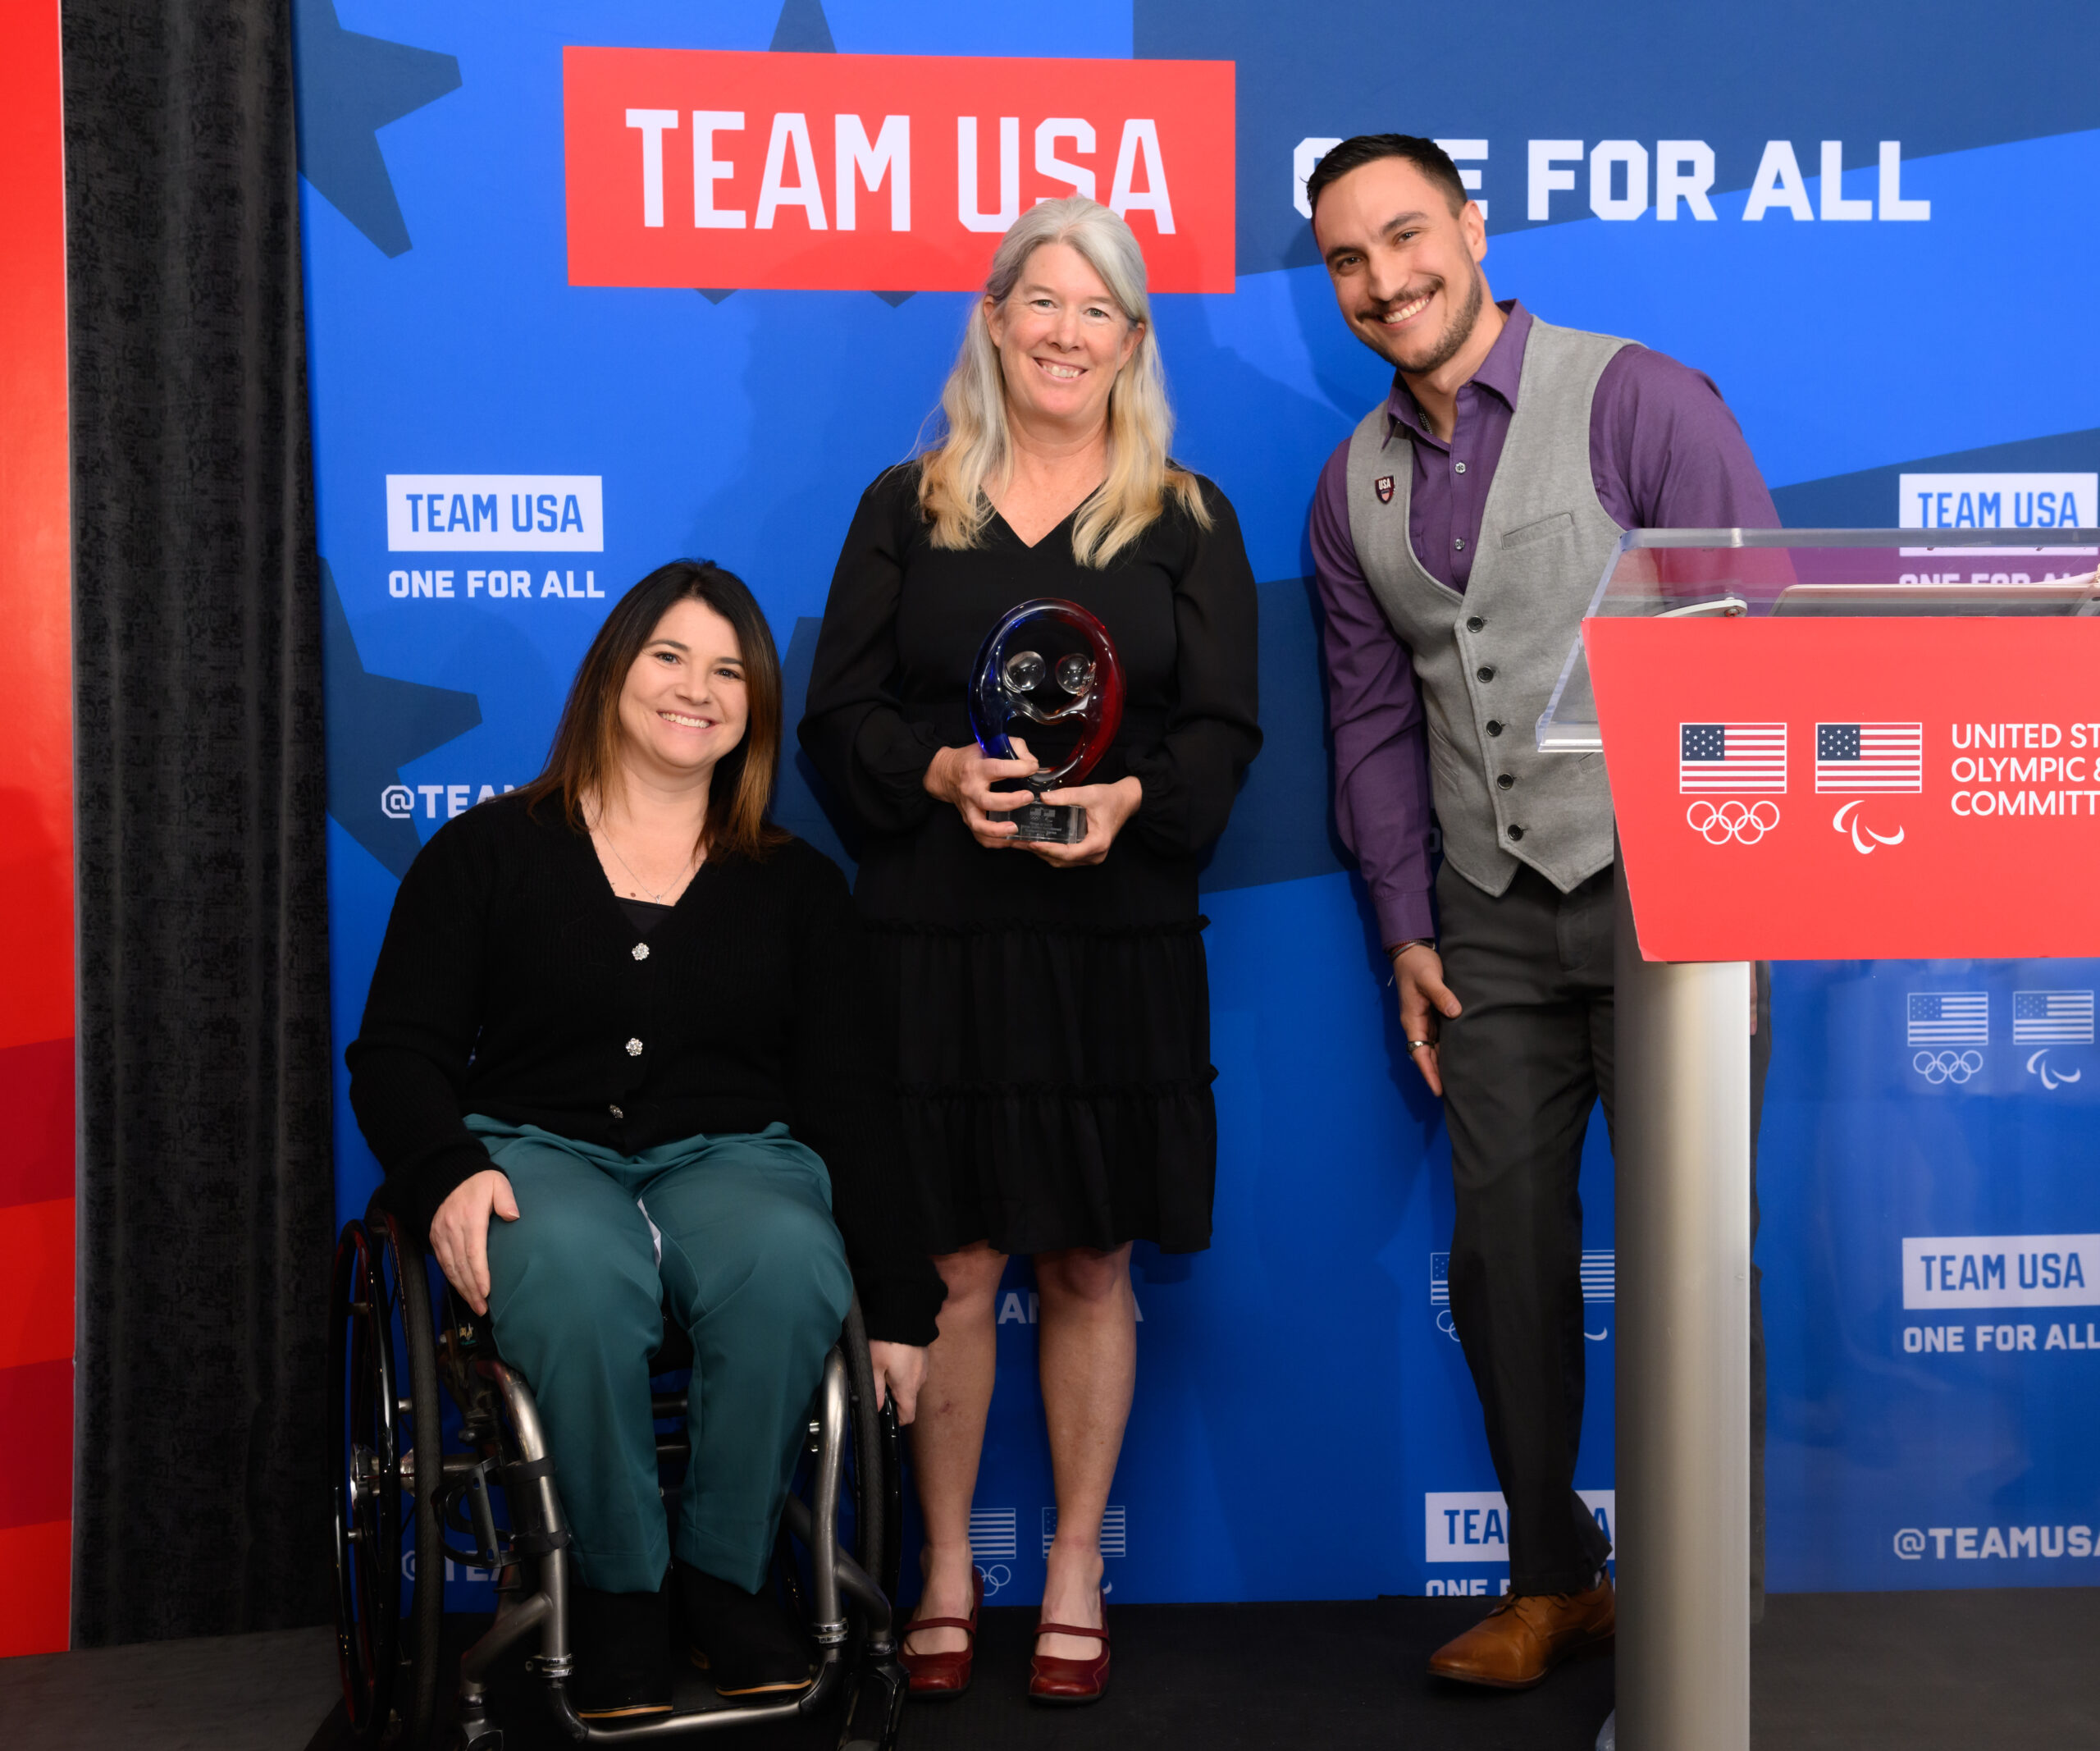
(695, 168)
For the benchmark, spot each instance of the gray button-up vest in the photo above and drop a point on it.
(1488, 659)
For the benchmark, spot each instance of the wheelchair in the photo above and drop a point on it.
(435, 1439)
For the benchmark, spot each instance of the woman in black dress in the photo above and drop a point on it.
(1052, 1006)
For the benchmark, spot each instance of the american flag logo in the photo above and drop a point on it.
(1384, 483)
(1115, 1530)
(1439, 1279)
(2053, 1018)
(1855, 760)
(1740, 758)
(1950, 1018)
(994, 1534)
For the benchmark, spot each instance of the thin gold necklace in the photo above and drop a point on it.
(656, 897)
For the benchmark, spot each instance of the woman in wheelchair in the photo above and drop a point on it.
(616, 1060)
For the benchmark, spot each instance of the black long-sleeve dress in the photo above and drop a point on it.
(1053, 1026)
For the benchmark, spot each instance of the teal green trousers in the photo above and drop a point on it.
(732, 1237)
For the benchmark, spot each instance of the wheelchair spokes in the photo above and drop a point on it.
(386, 1466)
(408, 1385)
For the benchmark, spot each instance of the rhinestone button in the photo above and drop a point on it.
(1458, 468)
(641, 951)
(616, 1112)
(1457, 544)
(634, 1049)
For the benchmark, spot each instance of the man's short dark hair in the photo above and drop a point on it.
(1353, 154)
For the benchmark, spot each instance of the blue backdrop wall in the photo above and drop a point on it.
(1904, 330)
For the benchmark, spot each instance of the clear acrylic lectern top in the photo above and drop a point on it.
(1731, 573)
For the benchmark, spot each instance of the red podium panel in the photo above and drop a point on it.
(1827, 788)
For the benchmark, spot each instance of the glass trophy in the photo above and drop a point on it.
(1076, 688)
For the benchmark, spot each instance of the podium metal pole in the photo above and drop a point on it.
(1683, 1152)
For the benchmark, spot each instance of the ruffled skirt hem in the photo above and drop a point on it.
(1056, 1085)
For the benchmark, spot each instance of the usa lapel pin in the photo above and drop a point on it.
(1384, 483)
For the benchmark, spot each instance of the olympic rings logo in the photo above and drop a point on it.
(1745, 823)
(1947, 1066)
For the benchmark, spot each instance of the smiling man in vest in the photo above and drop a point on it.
(1457, 534)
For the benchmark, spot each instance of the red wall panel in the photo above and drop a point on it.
(36, 848)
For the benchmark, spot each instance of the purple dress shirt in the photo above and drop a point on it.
(1665, 453)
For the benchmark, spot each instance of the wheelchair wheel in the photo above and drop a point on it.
(877, 1687)
(877, 1480)
(386, 1467)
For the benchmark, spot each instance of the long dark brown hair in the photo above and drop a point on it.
(585, 757)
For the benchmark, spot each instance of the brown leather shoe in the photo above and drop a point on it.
(943, 1674)
(1051, 1678)
(1527, 1635)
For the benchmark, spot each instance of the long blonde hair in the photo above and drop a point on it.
(975, 453)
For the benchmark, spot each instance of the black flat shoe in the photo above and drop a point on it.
(622, 1646)
(740, 1639)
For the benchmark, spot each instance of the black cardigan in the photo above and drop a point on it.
(510, 984)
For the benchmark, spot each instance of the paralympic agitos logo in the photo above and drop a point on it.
(696, 167)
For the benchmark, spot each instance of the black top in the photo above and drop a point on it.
(512, 983)
(890, 688)
(645, 914)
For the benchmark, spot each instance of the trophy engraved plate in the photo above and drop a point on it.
(1081, 689)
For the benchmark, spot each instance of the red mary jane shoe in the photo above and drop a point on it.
(939, 1674)
(1053, 1679)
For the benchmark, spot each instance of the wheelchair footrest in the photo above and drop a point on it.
(875, 1711)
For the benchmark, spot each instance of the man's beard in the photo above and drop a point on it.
(1447, 346)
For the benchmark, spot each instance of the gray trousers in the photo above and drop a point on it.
(1523, 1064)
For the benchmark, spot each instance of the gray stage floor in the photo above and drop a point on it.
(1928, 1671)
(224, 1692)
(1949, 1671)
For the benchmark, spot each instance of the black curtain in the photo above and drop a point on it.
(205, 1207)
